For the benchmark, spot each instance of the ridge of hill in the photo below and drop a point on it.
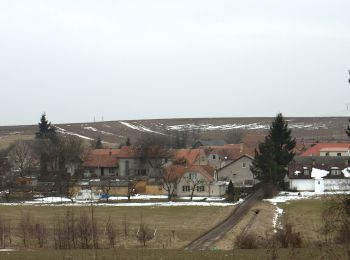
(310, 129)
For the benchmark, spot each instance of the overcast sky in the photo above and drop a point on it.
(163, 59)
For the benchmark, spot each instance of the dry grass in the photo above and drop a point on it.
(7, 140)
(176, 226)
(259, 224)
(305, 216)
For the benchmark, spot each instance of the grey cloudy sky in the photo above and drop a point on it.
(160, 59)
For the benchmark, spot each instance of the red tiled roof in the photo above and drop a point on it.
(179, 170)
(101, 158)
(190, 155)
(315, 150)
(129, 152)
(230, 151)
(206, 170)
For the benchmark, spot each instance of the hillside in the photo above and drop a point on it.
(309, 129)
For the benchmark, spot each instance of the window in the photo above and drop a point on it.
(91, 170)
(200, 188)
(214, 156)
(306, 171)
(327, 153)
(244, 165)
(193, 176)
(186, 188)
(335, 171)
(141, 172)
(111, 170)
(338, 154)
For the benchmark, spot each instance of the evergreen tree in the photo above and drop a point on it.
(274, 154)
(98, 144)
(45, 144)
(46, 130)
(230, 192)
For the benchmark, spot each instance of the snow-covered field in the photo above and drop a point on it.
(283, 197)
(61, 201)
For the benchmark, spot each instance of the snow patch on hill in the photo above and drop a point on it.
(140, 128)
(64, 131)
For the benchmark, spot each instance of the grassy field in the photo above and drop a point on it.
(7, 140)
(306, 217)
(176, 226)
(152, 254)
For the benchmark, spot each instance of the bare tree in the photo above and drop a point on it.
(234, 136)
(194, 181)
(22, 157)
(170, 179)
(144, 233)
(106, 187)
(111, 233)
(131, 184)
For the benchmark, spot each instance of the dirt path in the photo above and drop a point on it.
(214, 234)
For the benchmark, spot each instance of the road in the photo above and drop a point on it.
(207, 239)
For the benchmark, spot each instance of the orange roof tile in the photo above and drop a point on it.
(315, 150)
(101, 158)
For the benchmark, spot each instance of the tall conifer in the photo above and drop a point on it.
(274, 154)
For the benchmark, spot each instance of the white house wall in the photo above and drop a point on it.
(302, 184)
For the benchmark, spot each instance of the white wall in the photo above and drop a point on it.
(302, 184)
(326, 185)
(336, 184)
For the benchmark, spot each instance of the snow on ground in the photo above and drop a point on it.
(276, 219)
(96, 130)
(57, 201)
(251, 126)
(140, 128)
(131, 204)
(283, 197)
(7, 249)
(90, 128)
(64, 131)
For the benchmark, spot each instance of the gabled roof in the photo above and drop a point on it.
(230, 151)
(129, 152)
(315, 150)
(205, 170)
(101, 158)
(244, 155)
(179, 171)
(189, 155)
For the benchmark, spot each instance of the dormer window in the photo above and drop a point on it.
(335, 171)
(306, 171)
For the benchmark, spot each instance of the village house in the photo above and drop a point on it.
(133, 163)
(101, 163)
(202, 180)
(238, 171)
(328, 149)
(220, 156)
(319, 173)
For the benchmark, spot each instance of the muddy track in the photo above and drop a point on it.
(207, 239)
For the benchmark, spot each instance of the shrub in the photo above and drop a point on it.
(246, 241)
